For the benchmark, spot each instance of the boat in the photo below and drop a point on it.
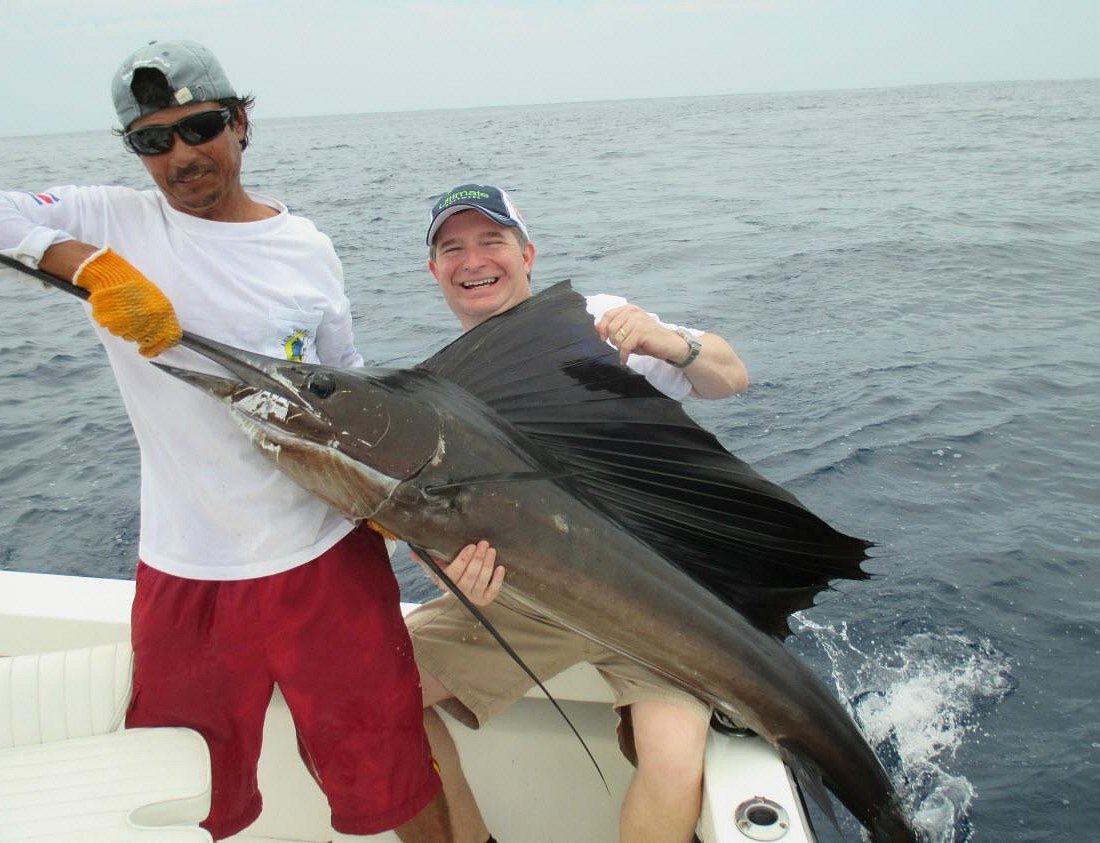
(70, 772)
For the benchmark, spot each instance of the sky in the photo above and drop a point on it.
(307, 57)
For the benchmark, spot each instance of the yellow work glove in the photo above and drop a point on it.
(382, 531)
(127, 303)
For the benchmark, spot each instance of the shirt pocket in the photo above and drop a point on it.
(292, 334)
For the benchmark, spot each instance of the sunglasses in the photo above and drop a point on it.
(198, 128)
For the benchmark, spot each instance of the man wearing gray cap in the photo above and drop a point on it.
(243, 578)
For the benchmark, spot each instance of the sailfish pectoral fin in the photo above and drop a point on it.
(477, 613)
(487, 479)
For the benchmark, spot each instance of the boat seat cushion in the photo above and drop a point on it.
(70, 772)
(68, 694)
(140, 785)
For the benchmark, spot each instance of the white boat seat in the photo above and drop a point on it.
(70, 773)
(69, 694)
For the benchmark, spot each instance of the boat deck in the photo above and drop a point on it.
(533, 779)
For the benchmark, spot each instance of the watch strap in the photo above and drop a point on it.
(694, 347)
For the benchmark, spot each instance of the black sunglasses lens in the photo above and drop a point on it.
(200, 128)
(152, 140)
(196, 129)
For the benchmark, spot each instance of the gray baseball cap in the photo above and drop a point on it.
(192, 72)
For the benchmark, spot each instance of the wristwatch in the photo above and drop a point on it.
(694, 347)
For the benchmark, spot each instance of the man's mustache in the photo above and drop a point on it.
(188, 172)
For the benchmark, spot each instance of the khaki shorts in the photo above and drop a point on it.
(484, 680)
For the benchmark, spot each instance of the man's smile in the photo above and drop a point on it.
(189, 175)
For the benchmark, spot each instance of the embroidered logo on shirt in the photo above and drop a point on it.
(45, 198)
(294, 346)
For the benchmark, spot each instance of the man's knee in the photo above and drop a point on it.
(670, 742)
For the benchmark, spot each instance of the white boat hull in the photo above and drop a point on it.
(533, 780)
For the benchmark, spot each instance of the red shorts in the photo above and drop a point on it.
(330, 632)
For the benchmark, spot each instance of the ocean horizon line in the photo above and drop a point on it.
(262, 118)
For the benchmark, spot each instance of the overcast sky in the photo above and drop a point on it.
(303, 57)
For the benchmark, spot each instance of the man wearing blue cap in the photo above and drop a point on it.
(244, 579)
(481, 255)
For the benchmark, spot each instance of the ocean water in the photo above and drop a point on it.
(913, 278)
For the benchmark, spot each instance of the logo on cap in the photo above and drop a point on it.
(459, 195)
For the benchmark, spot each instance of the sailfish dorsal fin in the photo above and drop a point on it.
(636, 455)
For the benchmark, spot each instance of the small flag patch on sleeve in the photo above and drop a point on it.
(45, 198)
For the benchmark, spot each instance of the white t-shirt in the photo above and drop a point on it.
(661, 375)
(212, 506)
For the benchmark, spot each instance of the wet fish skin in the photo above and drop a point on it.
(434, 465)
(361, 440)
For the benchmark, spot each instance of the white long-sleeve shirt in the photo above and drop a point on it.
(212, 507)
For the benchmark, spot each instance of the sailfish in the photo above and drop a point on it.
(615, 514)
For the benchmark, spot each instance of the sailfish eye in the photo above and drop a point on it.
(321, 384)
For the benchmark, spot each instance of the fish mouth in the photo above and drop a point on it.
(260, 392)
(285, 406)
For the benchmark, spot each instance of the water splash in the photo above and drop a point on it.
(917, 706)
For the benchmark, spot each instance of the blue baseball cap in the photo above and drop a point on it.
(192, 72)
(490, 201)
